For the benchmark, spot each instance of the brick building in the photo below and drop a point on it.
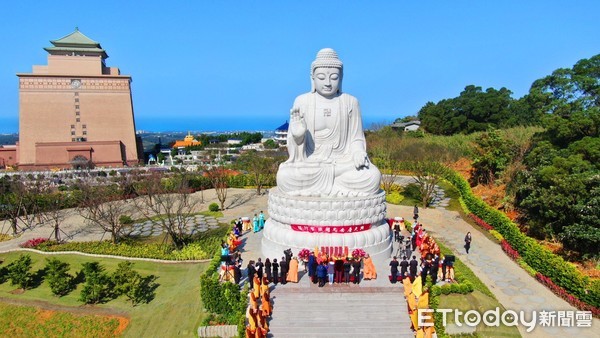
(76, 112)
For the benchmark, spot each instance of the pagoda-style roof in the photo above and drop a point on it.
(283, 127)
(76, 43)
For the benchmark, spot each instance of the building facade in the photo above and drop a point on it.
(76, 112)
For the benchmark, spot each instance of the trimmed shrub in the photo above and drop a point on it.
(394, 198)
(214, 207)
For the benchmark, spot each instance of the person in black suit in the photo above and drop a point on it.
(251, 271)
(425, 267)
(259, 268)
(268, 270)
(237, 273)
(413, 264)
(397, 231)
(283, 267)
(403, 267)
(435, 266)
(394, 269)
(275, 267)
(347, 267)
(356, 270)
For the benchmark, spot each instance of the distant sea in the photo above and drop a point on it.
(188, 123)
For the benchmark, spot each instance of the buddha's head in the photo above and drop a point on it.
(326, 73)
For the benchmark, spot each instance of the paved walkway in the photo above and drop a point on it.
(513, 287)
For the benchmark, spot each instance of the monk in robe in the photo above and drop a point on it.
(369, 271)
(423, 302)
(253, 301)
(260, 333)
(267, 308)
(251, 317)
(292, 275)
(262, 320)
(250, 333)
(407, 287)
(256, 289)
(264, 287)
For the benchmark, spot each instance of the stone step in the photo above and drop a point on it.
(330, 312)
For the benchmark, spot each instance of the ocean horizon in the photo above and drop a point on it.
(10, 125)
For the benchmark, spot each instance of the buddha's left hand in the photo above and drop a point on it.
(360, 159)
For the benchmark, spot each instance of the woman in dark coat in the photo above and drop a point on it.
(275, 269)
(268, 269)
(312, 268)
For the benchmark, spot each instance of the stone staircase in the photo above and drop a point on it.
(339, 311)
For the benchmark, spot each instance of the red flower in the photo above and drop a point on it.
(32, 243)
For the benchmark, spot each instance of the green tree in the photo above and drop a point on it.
(58, 277)
(19, 272)
(271, 144)
(98, 285)
(260, 167)
(492, 154)
(474, 110)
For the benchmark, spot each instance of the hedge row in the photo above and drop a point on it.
(561, 273)
(223, 299)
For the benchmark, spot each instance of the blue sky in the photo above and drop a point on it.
(231, 65)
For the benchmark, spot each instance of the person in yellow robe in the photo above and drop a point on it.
(292, 275)
(369, 271)
(423, 302)
(407, 287)
(264, 287)
(417, 286)
(251, 317)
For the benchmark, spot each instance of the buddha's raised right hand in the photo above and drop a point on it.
(297, 124)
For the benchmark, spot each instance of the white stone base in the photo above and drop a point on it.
(286, 210)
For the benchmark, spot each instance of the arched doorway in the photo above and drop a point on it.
(80, 162)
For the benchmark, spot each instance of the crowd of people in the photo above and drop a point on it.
(323, 269)
(431, 262)
(259, 308)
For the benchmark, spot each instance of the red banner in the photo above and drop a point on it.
(331, 229)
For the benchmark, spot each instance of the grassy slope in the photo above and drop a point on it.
(176, 311)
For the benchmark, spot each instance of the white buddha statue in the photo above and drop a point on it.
(326, 142)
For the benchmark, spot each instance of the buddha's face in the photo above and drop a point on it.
(327, 81)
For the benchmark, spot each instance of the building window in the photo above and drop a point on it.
(84, 126)
(73, 139)
(76, 106)
(76, 113)
(77, 100)
(73, 132)
(72, 126)
(77, 119)
(76, 93)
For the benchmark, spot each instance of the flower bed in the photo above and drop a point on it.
(512, 253)
(562, 293)
(481, 222)
(32, 243)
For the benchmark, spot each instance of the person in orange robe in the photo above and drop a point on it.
(253, 301)
(250, 333)
(264, 287)
(256, 290)
(267, 309)
(262, 320)
(292, 275)
(369, 271)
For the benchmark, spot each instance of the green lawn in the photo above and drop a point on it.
(480, 302)
(176, 310)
